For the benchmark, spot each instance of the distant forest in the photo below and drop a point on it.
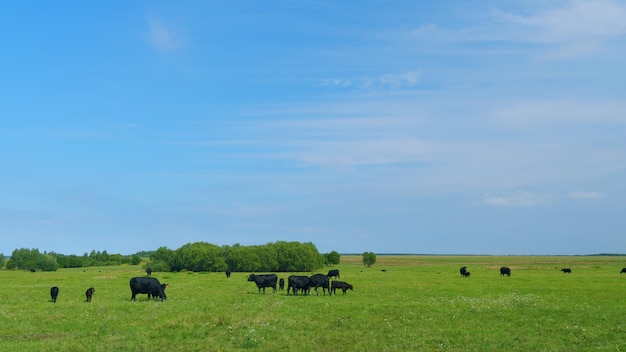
(199, 256)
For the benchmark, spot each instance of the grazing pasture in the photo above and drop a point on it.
(419, 303)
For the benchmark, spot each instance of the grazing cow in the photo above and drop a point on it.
(344, 286)
(566, 270)
(623, 271)
(505, 271)
(228, 273)
(263, 281)
(333, 273)
(320, 280)
(89, 293)
(281, 284)
(295, 283)
(155, 295)
(148, 285)
(464, 271)
(54, 292)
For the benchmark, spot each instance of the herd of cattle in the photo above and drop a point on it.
(295, 284)
(148, 285)
(301, 283)
(507, 271)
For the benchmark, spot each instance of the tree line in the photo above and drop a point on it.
(274, 256)
(199, 256)
(33, 259)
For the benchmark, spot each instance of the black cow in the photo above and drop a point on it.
(89, 293)
(320, 280)
(623, 271)
(228, 273)
(505, 271)
(566, 270)
(464, 271)
(54, 292)
(344, 286)
(333, 273)
(148, 285)
(155, 295)
(263, 281)
(295, 283)
(281, 284)
(149, 271)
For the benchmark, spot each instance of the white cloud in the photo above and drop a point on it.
(580, 19)
(585, 195)
(564, 111)
(401, 80)
(162, 36)
(518, 199)
(365, 152)
(582, 27)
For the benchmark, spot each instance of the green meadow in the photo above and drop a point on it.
(418, 303)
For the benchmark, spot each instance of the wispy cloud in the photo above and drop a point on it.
(383, 82)
(518, 199)
(586, 195)
(579, 28)
(542, 111)
(163, 36)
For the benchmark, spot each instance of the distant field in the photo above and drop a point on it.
(419, 303)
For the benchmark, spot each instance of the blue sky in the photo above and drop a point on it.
(446, 127)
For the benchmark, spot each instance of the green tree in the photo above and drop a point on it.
(369, 258)
(135, 259)
(332, 258)
(200, 256)
(32, 259)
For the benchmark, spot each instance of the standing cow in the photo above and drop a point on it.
(263, 281)
(89, 293)
(148, 285)
(297, 283)
(54, 292)
(505, 271)
(320, 280)
(344, 286)
(566, 270)
(464, 271)
(281, 284)
(228, 273)
(623, 271)
(333, 273)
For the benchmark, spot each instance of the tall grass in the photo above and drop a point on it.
(419, 303)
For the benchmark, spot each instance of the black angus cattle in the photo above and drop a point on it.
(505, 271)
(149, 271)
(297, 283)
(155, 295)
(320, 280)
(54, 292)
(148, 285)
(333, 273)
(281, 284)
(263, 281)
(344, 286)
(89, 293)
(623, 271)
(464, 271)
(228, 273)
(566, 270)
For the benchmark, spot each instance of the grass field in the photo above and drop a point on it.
(419, 303)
